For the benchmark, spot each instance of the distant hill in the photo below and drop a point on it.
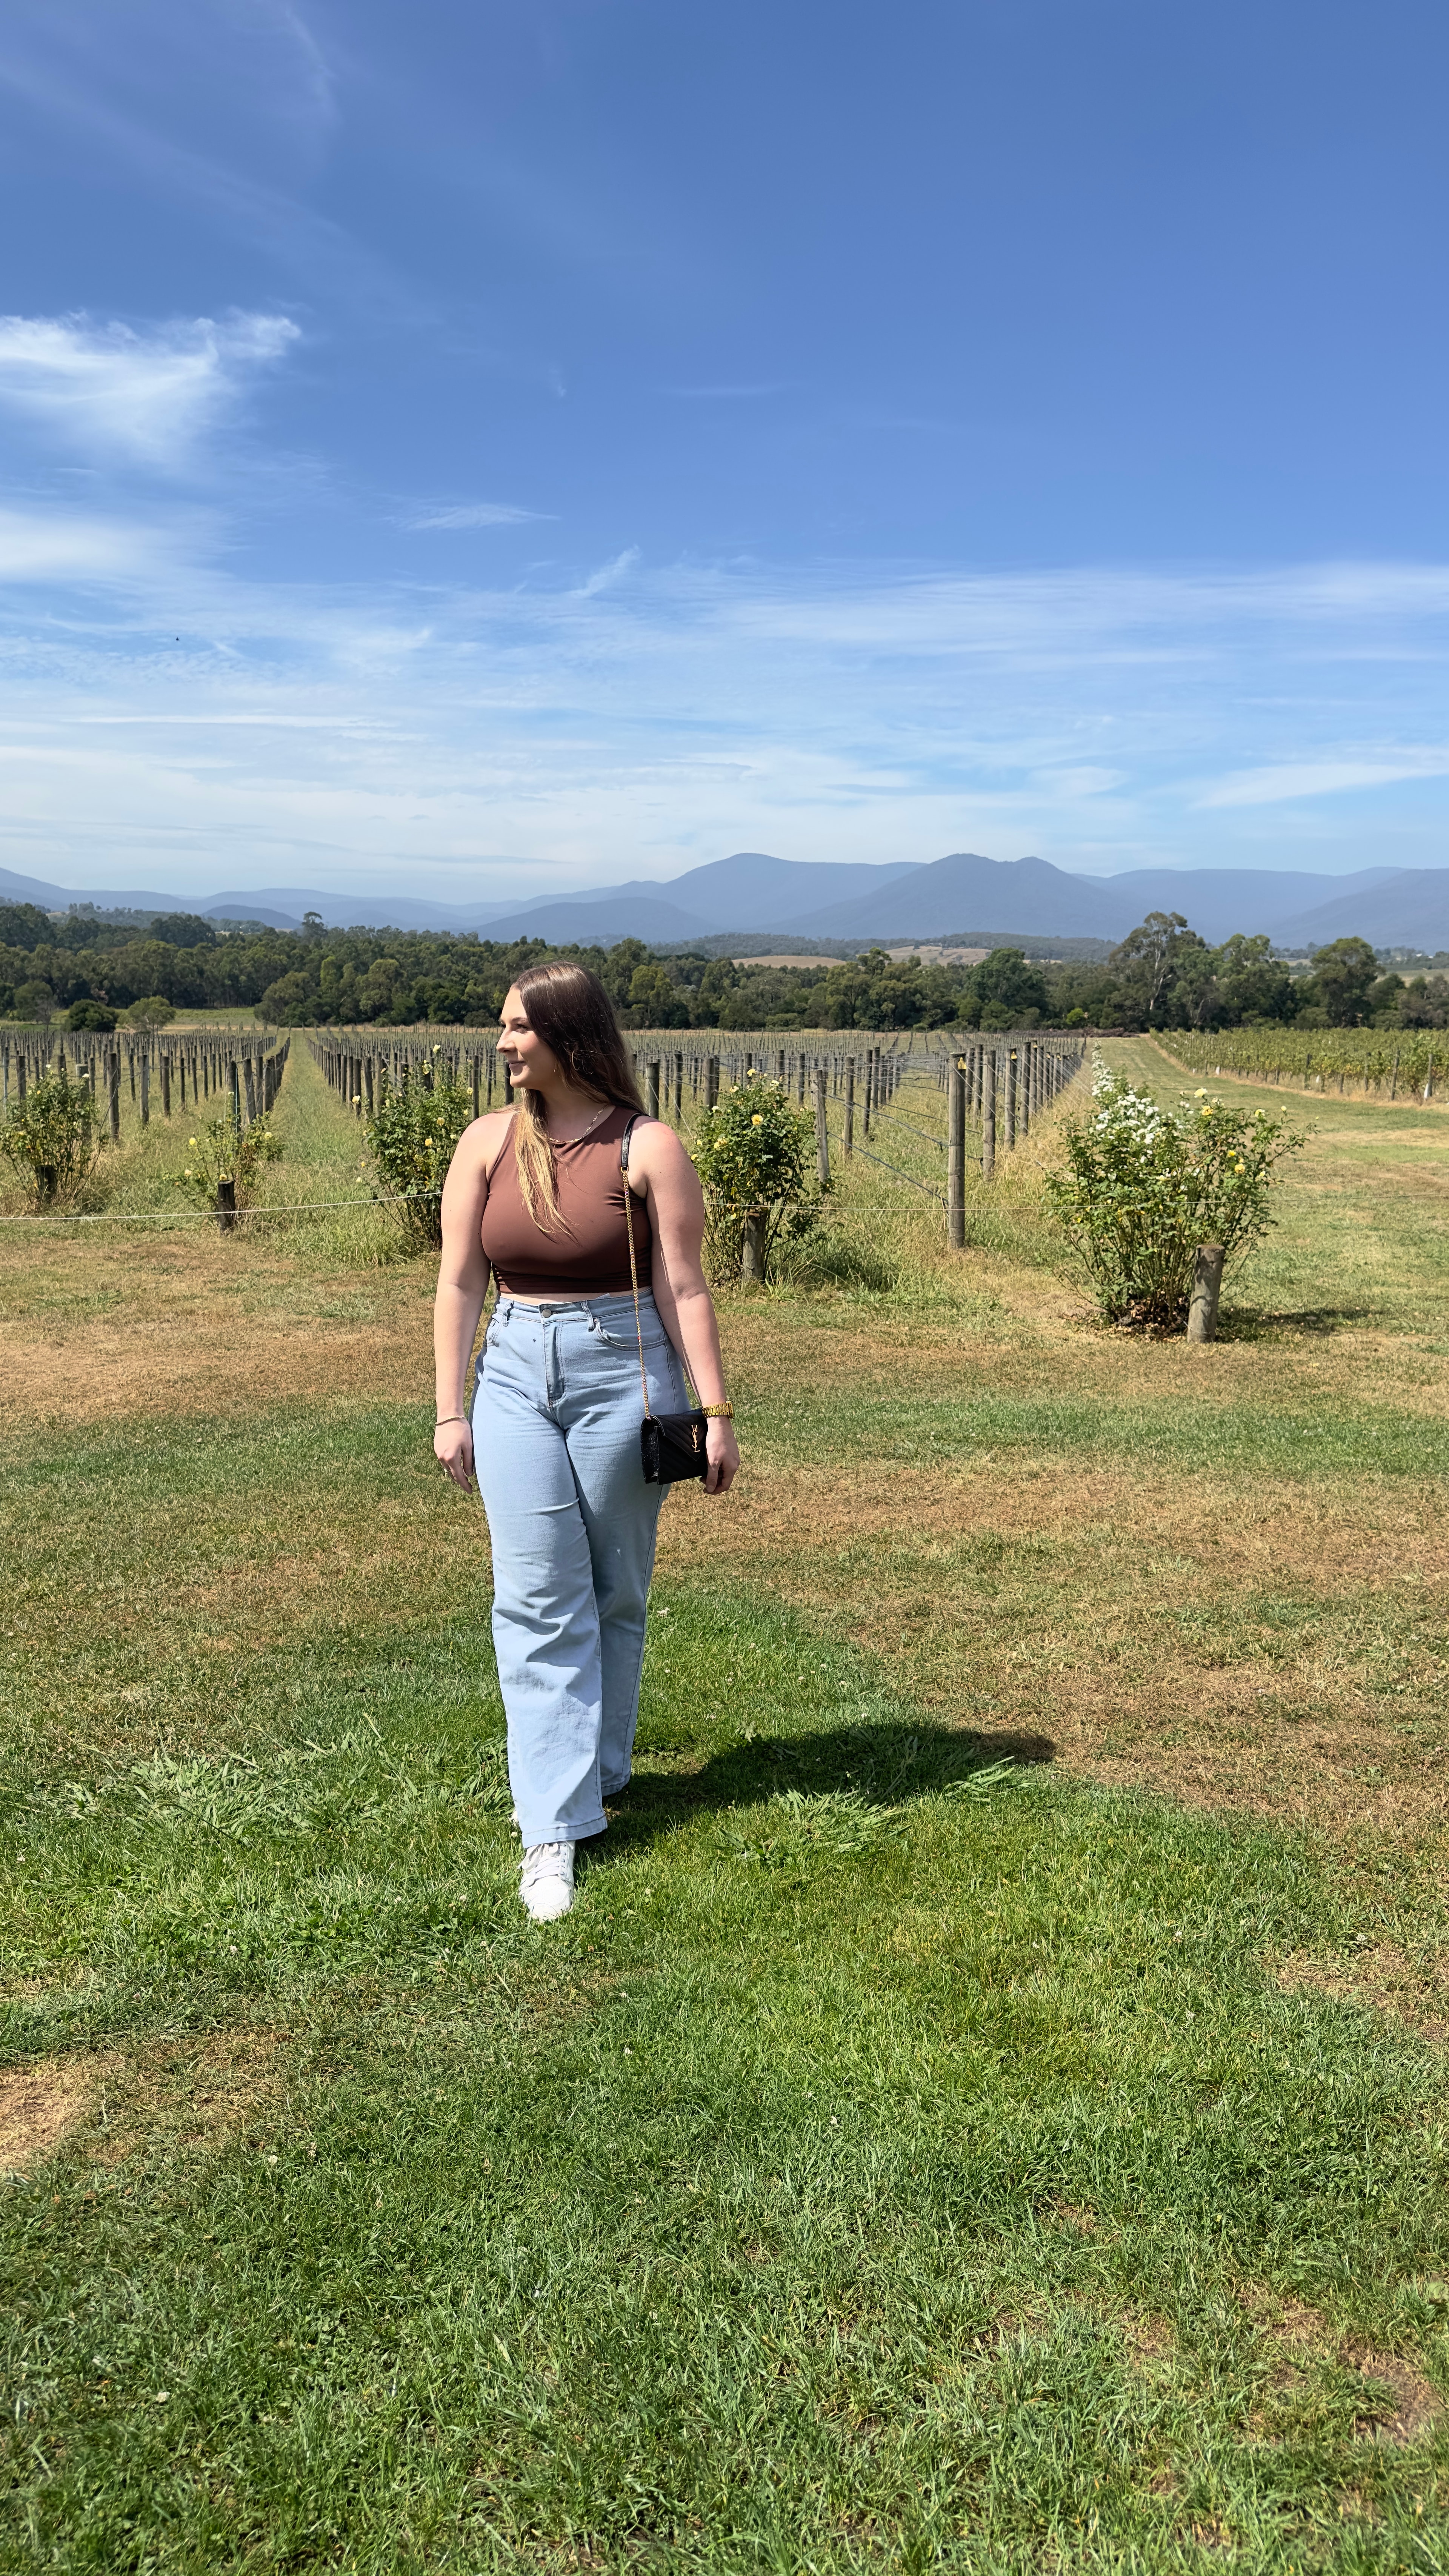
(1016, 894)
(754, 893)
(1218, 901)
(1408, 908)
(281, 907)
(599, 922)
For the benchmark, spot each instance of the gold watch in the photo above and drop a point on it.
(718, 1412)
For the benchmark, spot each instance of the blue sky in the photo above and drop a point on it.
(477, 448)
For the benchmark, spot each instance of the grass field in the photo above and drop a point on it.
(987, 2110)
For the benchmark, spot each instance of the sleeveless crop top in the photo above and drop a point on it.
(589, 1255)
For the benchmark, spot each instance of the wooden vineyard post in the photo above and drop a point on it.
(956, 1156)
(651, 1087)
(234, 1084)
(988, 1113)
(1207, 1280)
(146, 1088)
(711, 1082)
(822, 1132)
(226, 1207)
(1009, 1068)
(113, 1090)
(165, 1080)
(678, 1087)
(752, 1250)
(849, 1106)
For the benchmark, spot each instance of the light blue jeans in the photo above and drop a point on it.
(556, 1417)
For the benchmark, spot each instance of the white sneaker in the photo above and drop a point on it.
(548, 1880)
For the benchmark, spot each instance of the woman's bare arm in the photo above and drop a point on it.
(676, 1214)
(462, 1285)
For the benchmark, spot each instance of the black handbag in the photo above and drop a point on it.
(671, 1445)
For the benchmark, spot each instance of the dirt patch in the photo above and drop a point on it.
(1081, 2222)
(42, 2103)
(1402, 2407)
(1384, 1979)
(1150, 2340)
(182, 2095)
(1399, 2405)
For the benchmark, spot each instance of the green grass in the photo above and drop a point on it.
(890, 2162)
(898, 2160)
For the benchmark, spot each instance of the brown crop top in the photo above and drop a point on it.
(589, 1255)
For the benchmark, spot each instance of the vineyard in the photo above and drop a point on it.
(1387, 1064)
(127, 1074)
(983, 1093)
(902, 1121)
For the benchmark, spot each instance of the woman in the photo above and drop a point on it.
(537, 1193)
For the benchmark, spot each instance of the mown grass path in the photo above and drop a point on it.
(896, 2160)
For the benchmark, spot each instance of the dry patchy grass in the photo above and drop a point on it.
(1383, 1979)
(90, 1333)
(184, 2094)
(1105, 1609)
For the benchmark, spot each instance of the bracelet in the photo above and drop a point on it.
(449, 1417)
(718, 1412)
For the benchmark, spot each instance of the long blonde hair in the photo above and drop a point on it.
(572, 1013)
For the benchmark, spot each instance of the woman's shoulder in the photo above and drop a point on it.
(655, 1151)
(483, 1140)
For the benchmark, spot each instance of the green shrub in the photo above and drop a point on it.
(53, 1137)
(223, 1151)
(1146, 1186)
(754, 1152)
(412, 1133)
(97, 1016)
(153, 1011)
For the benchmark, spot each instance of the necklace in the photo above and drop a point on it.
(596, 1120)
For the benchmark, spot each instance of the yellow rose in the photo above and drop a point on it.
(757, 1120)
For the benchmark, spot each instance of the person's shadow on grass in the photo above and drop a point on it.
(878, 1767)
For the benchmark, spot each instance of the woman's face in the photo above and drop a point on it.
(524, 1052)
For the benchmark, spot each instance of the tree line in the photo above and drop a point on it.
(96, 967)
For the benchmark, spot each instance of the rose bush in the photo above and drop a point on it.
(1145, 1186)
(753, 1153)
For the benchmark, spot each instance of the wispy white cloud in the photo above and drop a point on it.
(629, 721)
(65, 547)
(147, 397)
(474, 514)
(608, 574)
(72, 75)
(1288, 780)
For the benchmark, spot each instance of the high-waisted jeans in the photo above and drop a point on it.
(556, 1422)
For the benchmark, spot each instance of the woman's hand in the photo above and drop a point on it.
(723, 1453)
(453, 1445)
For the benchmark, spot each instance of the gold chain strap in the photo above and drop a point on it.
(633, 1263)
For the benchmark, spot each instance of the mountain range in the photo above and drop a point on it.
(960, 894)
